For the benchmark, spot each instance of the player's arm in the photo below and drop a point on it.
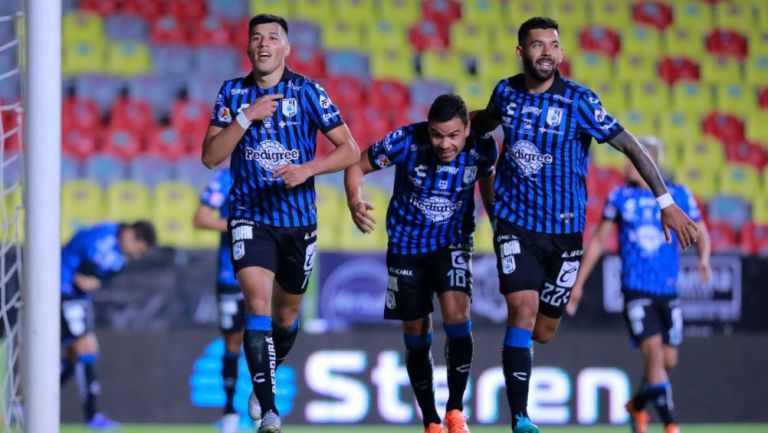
(591, 256)
(206, 218)
(344, 154)
(705, 250)
(485, 184)
(219, 142)
(483, 122)
(672, 217)
(87, 283)
(359, 209)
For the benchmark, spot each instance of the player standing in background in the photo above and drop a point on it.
(430, 221)
(268, 121)
(649, 269)
(229, 298)
(540, 196)
(91, 257)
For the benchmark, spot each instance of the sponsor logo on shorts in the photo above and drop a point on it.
(510, 248)
(399, 271)
(238, 250)
(508, 265)
(461, 260)
(568, 272)
(242, 232)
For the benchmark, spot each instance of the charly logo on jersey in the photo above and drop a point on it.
(289, 107)
(511, 107)
(528, 157)
(224, 114)
(436, 209)
(554, 116)
(271, 154)
(470, 174)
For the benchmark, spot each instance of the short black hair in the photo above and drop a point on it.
(268, 18)
(144, 231)
(446, 107)
(535, 23)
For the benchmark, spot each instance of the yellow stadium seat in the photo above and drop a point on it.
(740, 180)
(496, 65)
(735, 97)
(591, 67)
(483, 237)
(13, 216)
(350, 238)
(404, 12)
(82, 58)
(756, 69)
(82, 26)
(605, 155)
(481, 12)
(761, 13)
(394, 64)
(694, 15)
(476, 93)
(82, 204)
(343, 35)
(128, 200)
(672, 154)
(649, 97)
(316, 11)
(570, 13)
(760, 209)
(685, 42)
(694, 98)
(385, 34)
(332, 213)
(706, 152)
(275, 7)
(356, 11)
(757, 40)
(641, 41)
(611, 14)
(442, 65)
(637, 67)
(520, 10)
(702, 183)
(467, 37)
(205, 239)
(720, 69)
(639, 122)
(174, 206)
(756, 128)
(679, 126)
(734, 15)
(611, 93)
(128, 58)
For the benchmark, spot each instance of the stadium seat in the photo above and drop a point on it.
(362, 12)
(601, 179)
(441, 12)
(79, 113)
(676, 69)
(174, 206)
(132, 114)
(346, 92)
(475, 92)
(307, 60)
(82, 26)
(126, 27)
(385, 35)
(760, 208)
(424, 92)
(122, 143)
(158, 93)
(316, 11)
(171, 59)
(466, 37)
(730, 210)
(683, 41)
(393, 64)
(170, 143)
(701, 181)
(756, 127)
(573, 13)
(727, 43)
(405, 12)
(101, 7)
(186, 10)
(220, 60)
(82, 205)
(756, 69)
(128, 58)
(605, 156)
(679, 126)
(651, 97)
(758, 41)
(740, 180)
(745, 152)
(428, 35)
(762, 97)
(641, 41)
(79, 143)
(611, 14)
(191, 171)
(693, 14)
(150, 169)
(71, 168)
(723, 238)
(734, 15)
(347, 63)
(693, 98)
(83, 58)
(190, 118)
(232, 10)
(652, 13)
(589, 66)
(276, 7)
(213, 31)
(168, 29)
(481, 12)
(636, 68)
(754, 239)
(716, 70)
(735, 97)
(518, 11)
(611, 93)
(705, 152)
(128, 200)
(494, 65)
(442, 65)
(600, 40)
(148, 9)
(724, 126)
(388, 93)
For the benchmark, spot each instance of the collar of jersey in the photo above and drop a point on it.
(287, 76)
(558, 86)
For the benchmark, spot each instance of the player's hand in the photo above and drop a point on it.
(573, 303)
(292, 174)
(360, 211)
(705, 270)
(263, 107)
(672, 217)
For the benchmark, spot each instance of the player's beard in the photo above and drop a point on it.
(530, 69)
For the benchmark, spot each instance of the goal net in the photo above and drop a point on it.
(11, 216)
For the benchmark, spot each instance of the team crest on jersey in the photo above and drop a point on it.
(224, 114)
(289, 107)
(470, 173)
(271, 154)
(528, 157)
(554, 116)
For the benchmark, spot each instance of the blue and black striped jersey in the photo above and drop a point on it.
(648, 263)
(432, 204)
(92, 251)
(216, 196)
(541, 179)
(288, 137)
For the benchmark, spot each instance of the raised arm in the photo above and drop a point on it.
(588, 262)
(672, 217)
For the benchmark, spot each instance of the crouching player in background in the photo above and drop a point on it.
(649, 268)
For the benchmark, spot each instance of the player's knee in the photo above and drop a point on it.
(544, 334)
(670, 362)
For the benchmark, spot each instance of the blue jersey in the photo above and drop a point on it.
(288, 137)
(541, 179)
(215, 196)
(93, 251)
(432, 203)
(648, 263)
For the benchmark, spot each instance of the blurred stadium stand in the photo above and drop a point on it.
(141, 76)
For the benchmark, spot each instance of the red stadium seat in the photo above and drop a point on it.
(763, 98)
(727, 127)
(601, 180)
(186, 10)
(600, 40)
(133, 114)
(169, 143)
(565, 68)
(428, 35)
(168, 29)
(211, 30)
(149, 9)
(674, 69)
(80, 113)
(101, 7)
(306, 60)
(388, 94)
(79, 143)
(190, 118)
(754, 239)
(442, 12)
(724, 238)
(652, 13)
(346, 92)
(721, 42)
(122, 143)
(745, 152)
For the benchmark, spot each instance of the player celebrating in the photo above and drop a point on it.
(429, 224)
(267, 121)
(91, 257)
(228, 294)
(540, 195)
(649, 282)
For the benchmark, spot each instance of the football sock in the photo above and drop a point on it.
(647, 393)
(284, 339)
(418, 362)
(229, 376)
(516, 362)
(458, 356)
(67, 370)
(260, 355)
(664, 404)
(88, 386)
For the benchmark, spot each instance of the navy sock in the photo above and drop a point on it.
(646, 394)
(516, 362)
(418, 362)
(229, 376)
(67, 370)
(458, 357)
(260, 354)
(664, 404)
(87, 383)
(284, 339)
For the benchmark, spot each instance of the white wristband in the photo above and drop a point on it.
(665, 200)
(243, 121)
